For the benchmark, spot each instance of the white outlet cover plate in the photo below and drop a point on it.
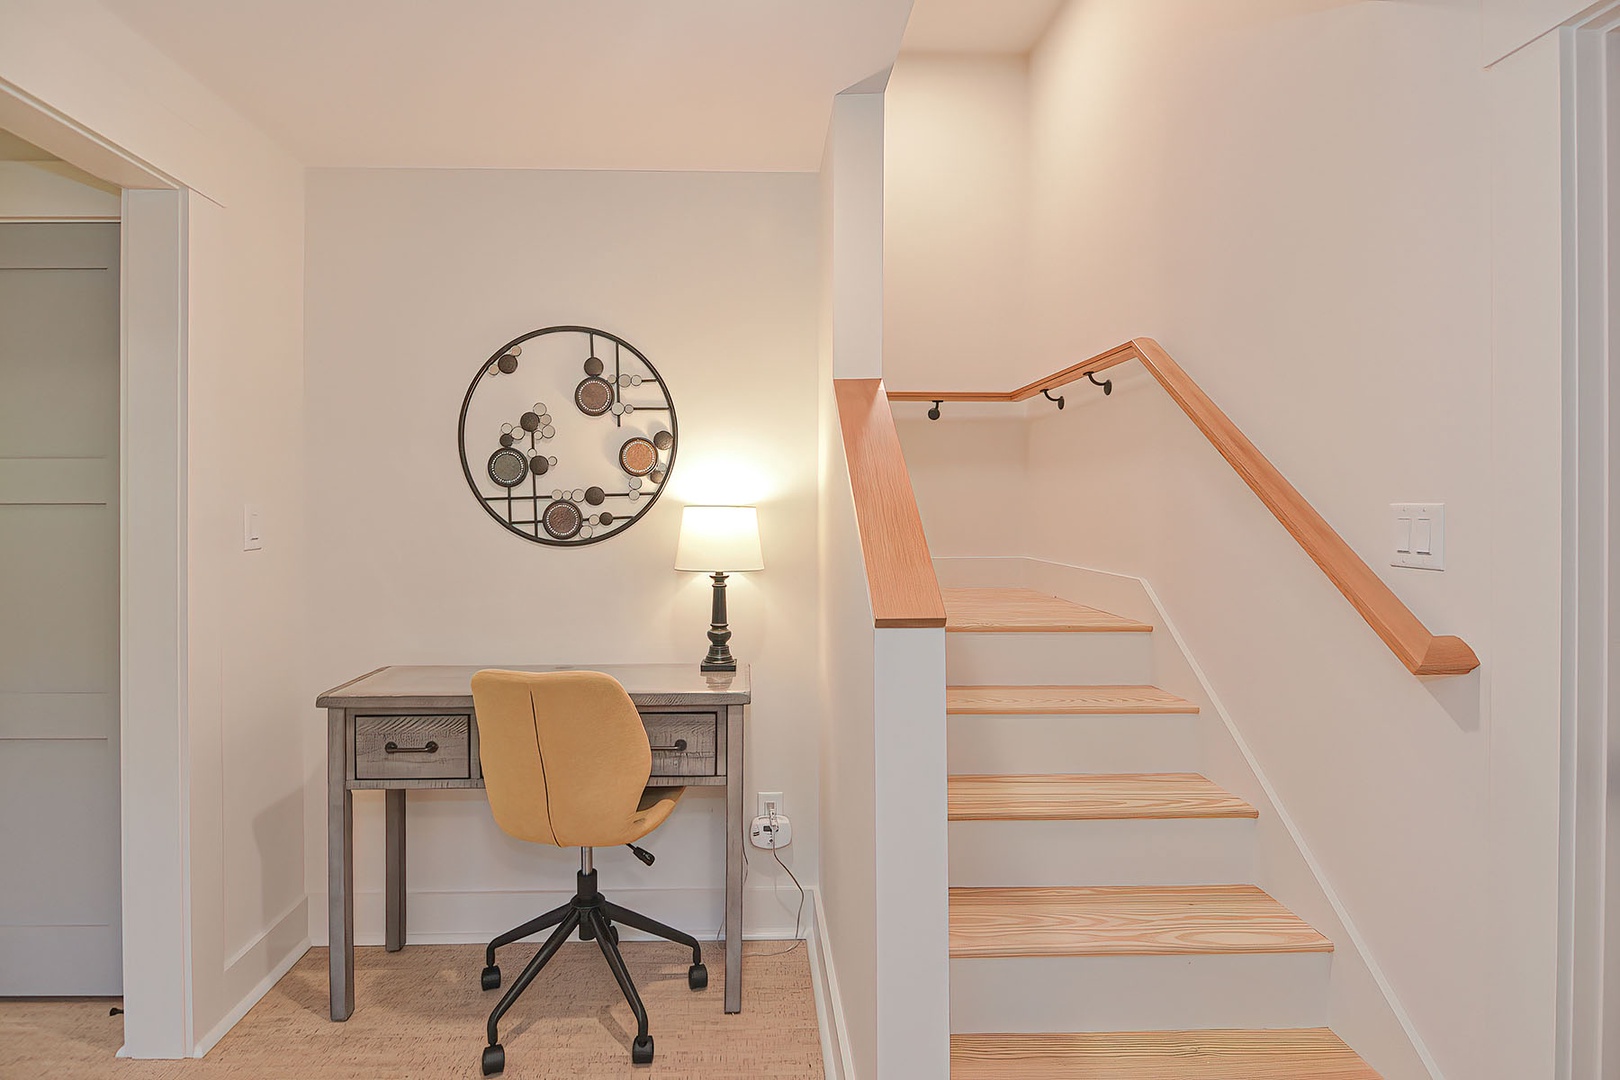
(1418, 535)
(770, 797)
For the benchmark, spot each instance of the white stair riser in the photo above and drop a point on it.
(1181, 851)
(1163, 742)
(1139, 993)
(1048, 659)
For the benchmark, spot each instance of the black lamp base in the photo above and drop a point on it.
(719, 658)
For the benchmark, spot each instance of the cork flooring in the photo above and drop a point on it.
(419, 1014)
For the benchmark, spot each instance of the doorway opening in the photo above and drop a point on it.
(148, 503)
(61, 896)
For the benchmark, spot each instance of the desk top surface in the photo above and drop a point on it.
(436, 686)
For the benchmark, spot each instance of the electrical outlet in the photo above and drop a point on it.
(771, 800)
(768, 832)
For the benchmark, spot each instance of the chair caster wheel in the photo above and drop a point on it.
(641, 1051)
(491, 978)
(697, 977)
(495, 1059)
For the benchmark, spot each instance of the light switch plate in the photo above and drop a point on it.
(1419, 535)
(252, 531)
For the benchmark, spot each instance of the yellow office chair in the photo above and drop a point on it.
(566, 762)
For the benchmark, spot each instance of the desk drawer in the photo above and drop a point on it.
(693, 733)
(412, 748)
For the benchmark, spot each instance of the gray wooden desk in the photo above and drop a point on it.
(380, 728)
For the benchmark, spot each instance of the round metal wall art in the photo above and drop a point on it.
(574, 406)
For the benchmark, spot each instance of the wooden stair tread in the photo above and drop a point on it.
(1287, 1054)
(1091, 797)
(1125, 920)
(1002, 611)
(1062, 700)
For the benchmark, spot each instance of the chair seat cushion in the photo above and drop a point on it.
(657, 803)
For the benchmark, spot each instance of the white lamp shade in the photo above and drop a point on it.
(723, 539)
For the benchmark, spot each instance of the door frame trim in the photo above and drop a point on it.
(1587, 1043)
(155, 795)
(156, 774)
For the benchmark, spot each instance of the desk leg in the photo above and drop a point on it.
(394, 858)
(734, 856)
(339, 865)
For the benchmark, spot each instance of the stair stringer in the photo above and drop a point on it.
(1365, 1010)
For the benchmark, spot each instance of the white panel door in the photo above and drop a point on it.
(60, 930)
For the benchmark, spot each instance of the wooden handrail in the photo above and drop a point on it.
(1423, 653)
(899, 571)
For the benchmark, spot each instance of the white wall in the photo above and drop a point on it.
(1348, 233)
(1512, 24)
(414, 277)
(70, 58)
(848, 758)
(55, 191)
(248, 620)
(956, 162)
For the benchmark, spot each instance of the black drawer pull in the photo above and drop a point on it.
(392, 747)
(678, 748)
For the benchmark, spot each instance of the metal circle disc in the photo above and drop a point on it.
(594, 395)
(638, 456)
(562, 520)
(508, 467)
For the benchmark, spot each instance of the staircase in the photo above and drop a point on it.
(1103, 923)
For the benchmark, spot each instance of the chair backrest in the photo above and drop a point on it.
(564, 754)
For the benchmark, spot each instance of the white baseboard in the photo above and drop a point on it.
(275, 924)
(835, 1059)
(472, 917)
(210, 1040)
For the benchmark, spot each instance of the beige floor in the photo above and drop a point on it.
(420, 1014)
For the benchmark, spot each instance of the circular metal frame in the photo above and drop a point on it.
(642, 506)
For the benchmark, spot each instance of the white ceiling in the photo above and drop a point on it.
(637, 84)
(979, 26)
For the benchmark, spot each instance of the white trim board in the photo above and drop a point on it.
(155, 811)
(254, 996)
(835, 1059)
(473, 916)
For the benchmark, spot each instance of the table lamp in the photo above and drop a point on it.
(719, 540)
